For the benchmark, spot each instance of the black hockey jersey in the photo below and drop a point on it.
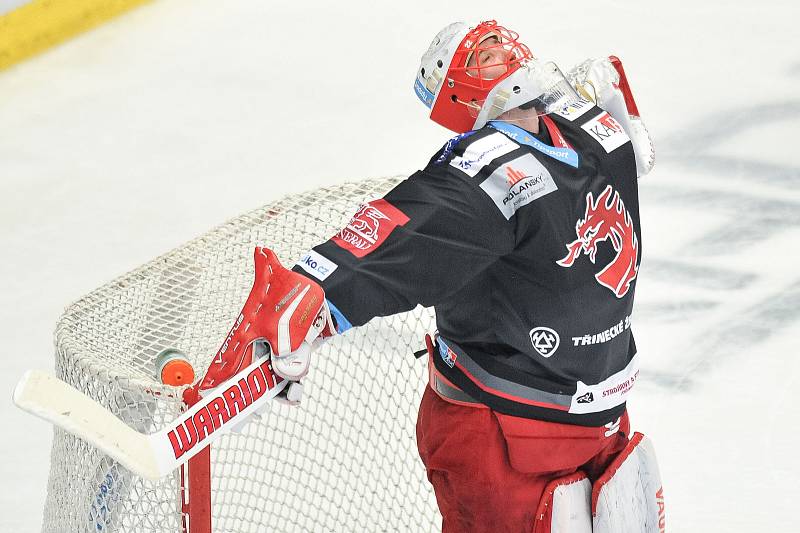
(528, 248)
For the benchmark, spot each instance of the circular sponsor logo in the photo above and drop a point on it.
(545, 341)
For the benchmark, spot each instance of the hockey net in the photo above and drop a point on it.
(345, 460)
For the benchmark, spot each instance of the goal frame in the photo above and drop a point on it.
(106, 346)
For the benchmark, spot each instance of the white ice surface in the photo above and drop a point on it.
(146, 132)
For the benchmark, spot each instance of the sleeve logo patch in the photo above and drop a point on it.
(369, 227)
(482, 152)
(317, 265)
(607, 131)
(518, 183)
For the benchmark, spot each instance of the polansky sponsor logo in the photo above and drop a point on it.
(518, 183)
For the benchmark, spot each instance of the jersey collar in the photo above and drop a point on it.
(562, 153)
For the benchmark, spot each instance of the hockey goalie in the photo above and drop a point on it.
(523, 233)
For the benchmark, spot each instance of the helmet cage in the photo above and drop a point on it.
(467, 73)
(469, 78)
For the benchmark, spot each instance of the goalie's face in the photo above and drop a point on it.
(461, 67)
(490, 60)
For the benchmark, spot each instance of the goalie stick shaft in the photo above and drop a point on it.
(152, 456)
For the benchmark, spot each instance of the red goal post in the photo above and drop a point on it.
(345, 460)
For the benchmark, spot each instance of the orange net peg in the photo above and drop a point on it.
(177, 372)
(174, 368)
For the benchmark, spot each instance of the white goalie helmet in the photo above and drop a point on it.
(472, 74)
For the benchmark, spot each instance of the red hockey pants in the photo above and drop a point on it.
(489, 470)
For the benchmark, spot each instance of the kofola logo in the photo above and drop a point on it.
(369, 227)
(607, 219)
(222, 408)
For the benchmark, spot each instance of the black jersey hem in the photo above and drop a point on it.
(522, 410)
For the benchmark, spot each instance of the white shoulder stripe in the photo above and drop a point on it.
(483, 151)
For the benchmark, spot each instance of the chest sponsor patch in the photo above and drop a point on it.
(369, 227)
(482, 152)
(518, 183)
(317, 265)
(575, 110)
(607, 131)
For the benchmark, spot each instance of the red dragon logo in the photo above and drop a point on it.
(607, 218)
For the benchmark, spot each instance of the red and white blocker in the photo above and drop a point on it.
(503, 474)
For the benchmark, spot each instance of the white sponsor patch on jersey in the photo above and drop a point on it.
(575, 109)
(317, 265)
(609, 393)
(482, 152)
(607, 131)
(518, 183)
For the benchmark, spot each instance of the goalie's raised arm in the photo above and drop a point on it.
(421, 243)
(604, 82)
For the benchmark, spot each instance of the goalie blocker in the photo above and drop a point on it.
(627, 498)
(284, 316)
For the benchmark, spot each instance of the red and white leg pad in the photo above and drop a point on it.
(565, 506)
(628, 497)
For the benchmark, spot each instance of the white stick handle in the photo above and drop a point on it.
(151, 456)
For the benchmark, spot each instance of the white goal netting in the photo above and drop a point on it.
(345, 460)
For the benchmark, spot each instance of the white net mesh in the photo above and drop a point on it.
(345, 460)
